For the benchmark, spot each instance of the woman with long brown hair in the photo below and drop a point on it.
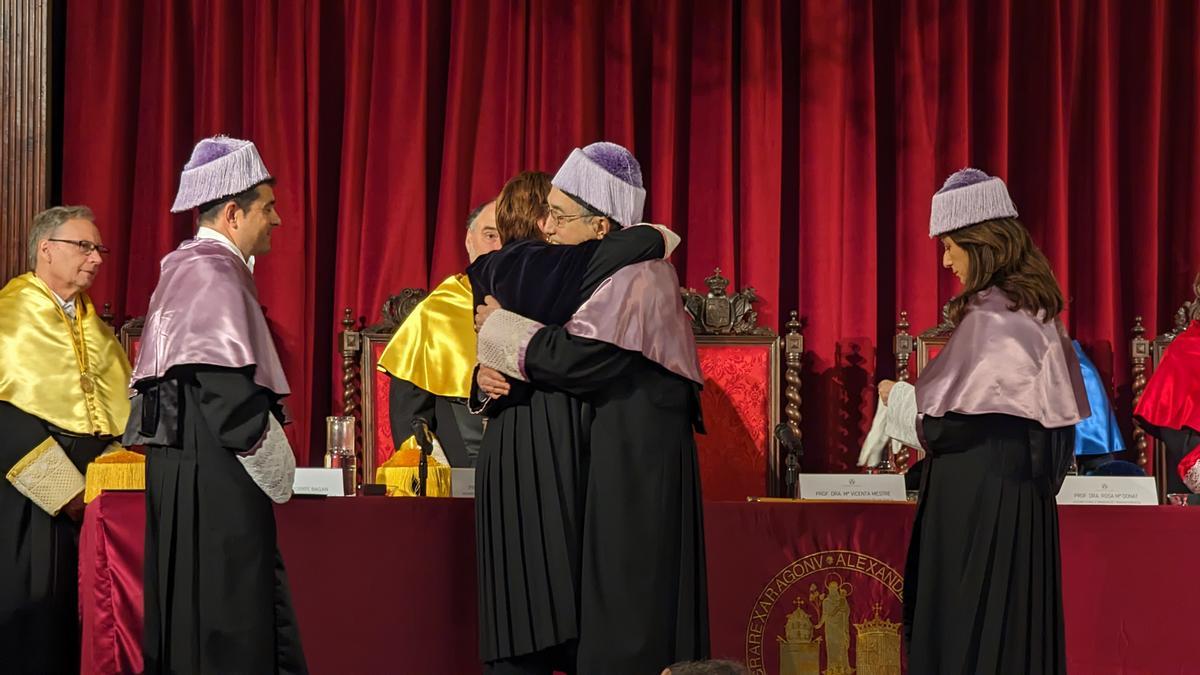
(995, 411)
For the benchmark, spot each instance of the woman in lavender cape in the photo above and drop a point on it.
(995, 411)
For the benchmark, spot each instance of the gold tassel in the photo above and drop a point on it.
(115, 470)
(400, 474)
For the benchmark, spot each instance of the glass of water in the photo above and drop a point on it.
(340, 452)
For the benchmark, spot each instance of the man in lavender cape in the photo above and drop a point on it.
(628, 352)
(207, 392)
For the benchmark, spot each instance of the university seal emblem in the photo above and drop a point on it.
(828, 613)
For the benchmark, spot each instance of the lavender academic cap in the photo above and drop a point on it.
(968, 197)
(606, 176)
(220, 167)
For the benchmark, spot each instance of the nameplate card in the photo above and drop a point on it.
(318, 482)
(462, 483)
(1109, 491)
(852, 487)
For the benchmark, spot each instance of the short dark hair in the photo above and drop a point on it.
(521, 205)
(243, 200)
(476, 211)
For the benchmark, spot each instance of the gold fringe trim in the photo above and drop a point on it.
(401, 481)
(116, 469)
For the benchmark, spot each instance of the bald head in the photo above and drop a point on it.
(482, 235)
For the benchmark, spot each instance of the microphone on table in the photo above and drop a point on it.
(790, 442)
(420, 429)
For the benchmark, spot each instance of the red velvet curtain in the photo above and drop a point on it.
(793, 144)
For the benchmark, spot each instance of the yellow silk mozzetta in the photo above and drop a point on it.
(435, 346)
(72, 374)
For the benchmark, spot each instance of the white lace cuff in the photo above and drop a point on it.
(47, 477)
(272, 465)
(503, 339)
(439, 453)
(1191, 478)
(901, 421)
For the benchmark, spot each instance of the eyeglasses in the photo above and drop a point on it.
(86, 247)
(559, 216)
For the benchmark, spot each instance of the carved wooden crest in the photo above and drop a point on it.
(1189, 311)
(943, 329)
(396, 309)
(718, 313)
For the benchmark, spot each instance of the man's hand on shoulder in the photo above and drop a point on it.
(482, 312)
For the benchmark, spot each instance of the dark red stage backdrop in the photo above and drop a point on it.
(793, 144)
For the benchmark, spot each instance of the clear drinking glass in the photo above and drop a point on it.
(339, 451)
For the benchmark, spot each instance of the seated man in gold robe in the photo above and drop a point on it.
(63, 398)
(431, 359)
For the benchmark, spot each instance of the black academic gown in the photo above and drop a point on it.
(530, 482)
(986, 539)
(1177, 443)
(39, 557)
(216, 595)
(643, 588)
(459, 432)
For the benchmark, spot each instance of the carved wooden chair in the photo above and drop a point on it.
(128, 333)
(130, 336)
(913, 353)
(1146, 354)
(106, 315)
(741, 454)
(739, 457)
(365, 389)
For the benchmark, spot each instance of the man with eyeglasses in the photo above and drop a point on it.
(63, 400)
(431, 357)
(208, 407)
